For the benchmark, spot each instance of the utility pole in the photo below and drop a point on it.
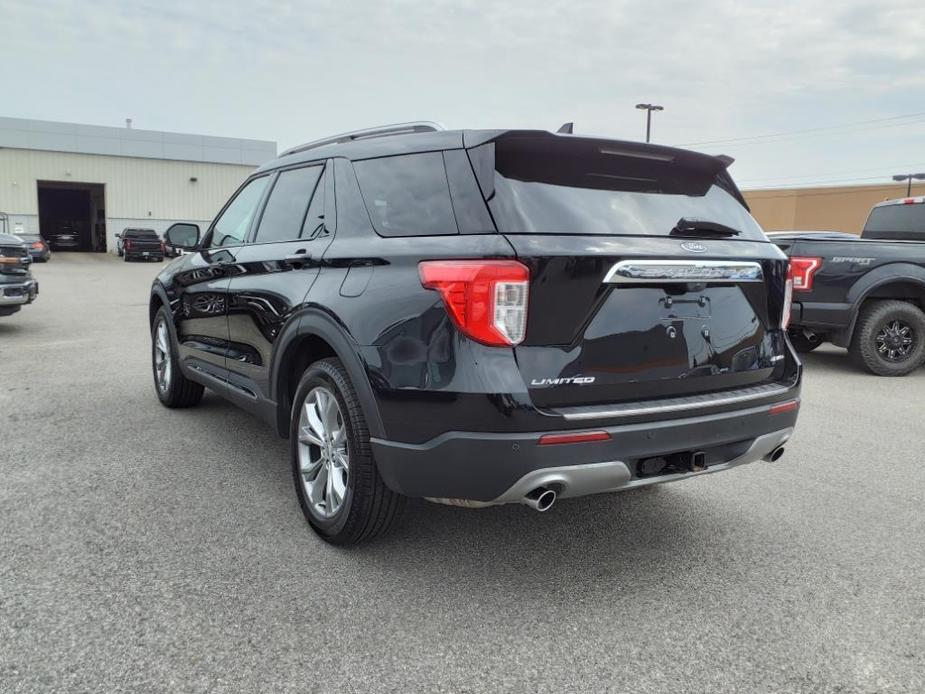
(648, 108)
(908, 178)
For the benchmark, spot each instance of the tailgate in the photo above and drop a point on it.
(615, 320)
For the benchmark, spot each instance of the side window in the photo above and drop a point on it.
(407, 195)
(285, 214)
(231, 226)
(314, 220)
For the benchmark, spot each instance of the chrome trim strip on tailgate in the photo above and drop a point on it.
(693, 402)
(647, 271)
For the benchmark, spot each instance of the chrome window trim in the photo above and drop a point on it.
(683, 271)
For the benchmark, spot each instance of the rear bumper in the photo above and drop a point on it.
(145, 254)
(18, 293)
(502, 467)
(821, 317)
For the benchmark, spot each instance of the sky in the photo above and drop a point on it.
(814, 92)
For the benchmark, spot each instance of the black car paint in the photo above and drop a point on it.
(244, 316)
(853, 270)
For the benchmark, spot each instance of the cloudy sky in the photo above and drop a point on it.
(842, 81)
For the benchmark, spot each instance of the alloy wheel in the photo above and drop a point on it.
(895, 341)
(162, 361)
(324, 462)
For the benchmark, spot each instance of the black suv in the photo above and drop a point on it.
(482, 317)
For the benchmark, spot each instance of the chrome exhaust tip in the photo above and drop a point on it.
(774, 455)
(540, 499)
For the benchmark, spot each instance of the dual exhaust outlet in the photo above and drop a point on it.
(542, 498)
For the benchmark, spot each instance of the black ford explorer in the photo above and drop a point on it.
(482, 317)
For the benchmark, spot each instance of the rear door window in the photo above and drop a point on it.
(407, 195)
(285, 216)
(900, 222)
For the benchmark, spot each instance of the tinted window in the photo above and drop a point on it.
(352, 218)
(284, 216)
(314, 221)
(896, 222)
(468, 204)
(407, 195)
(231, 226)
(581, 187)
(140, 234)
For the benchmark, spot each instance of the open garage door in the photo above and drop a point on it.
(72, 216)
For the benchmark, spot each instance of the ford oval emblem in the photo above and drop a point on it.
(694, 247)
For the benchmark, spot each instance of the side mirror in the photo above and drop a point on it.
(182, 235)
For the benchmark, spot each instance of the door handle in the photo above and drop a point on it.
(298, 259)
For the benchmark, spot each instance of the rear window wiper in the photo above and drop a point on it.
(702, 227)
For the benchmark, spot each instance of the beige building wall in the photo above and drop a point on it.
(135, 188)
(828, 209)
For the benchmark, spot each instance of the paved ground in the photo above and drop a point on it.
(149, 550)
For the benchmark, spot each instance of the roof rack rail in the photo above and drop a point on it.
(418, 126)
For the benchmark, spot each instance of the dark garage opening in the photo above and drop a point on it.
(72, 216)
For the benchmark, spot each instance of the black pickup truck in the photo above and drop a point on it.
(864, 293)
(17, 286)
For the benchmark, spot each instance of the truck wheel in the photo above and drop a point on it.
(173, 388)
(804, 341)
(889, 339)
(339, 488)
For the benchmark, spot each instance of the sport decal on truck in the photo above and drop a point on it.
(848, 259)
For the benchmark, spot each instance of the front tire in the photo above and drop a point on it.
(174, 390)
(337, 482)
(889, 339)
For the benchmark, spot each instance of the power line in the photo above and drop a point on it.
(758, 139)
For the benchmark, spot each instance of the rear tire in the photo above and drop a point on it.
(337, 482)
(889, 338)
(173, 389)
(125, 258)
(803, 342)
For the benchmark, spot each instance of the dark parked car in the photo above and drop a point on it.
(17, 286)
(140, 244)
(65, 238)
(866, 294)
(38, 247)
(483, 317)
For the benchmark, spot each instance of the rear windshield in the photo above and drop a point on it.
(585, 187)
(896, 222)
(141, 234)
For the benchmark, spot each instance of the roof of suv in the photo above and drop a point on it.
(416, 142)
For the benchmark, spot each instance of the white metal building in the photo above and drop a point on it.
(95, 181)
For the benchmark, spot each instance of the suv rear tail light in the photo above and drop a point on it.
(788, 299)
(36, 244)
(126, 245)
(486, 299)
(802, 271)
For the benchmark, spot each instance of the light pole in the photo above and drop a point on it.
(648, 108)
(908, 178)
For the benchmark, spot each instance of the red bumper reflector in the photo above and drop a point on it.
(784, 407)
(582, 437)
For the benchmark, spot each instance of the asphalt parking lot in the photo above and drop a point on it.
(143, 549)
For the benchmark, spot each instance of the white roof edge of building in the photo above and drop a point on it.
(54, 136)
